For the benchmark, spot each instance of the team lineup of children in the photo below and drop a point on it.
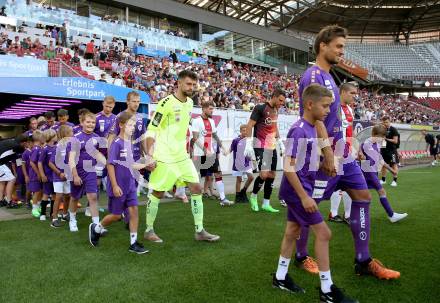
(67, 164)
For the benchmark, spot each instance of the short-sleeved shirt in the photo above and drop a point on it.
(372, 155)
(77, 128)
(391, 133)
(28, 133)
(139, 130)
(333, 121)
(302, 145)
(45, 155)
(103, 124)
(46, 126)
(240, 161)
(57, 125)
(60, 155)
(206, 128)
(85, 142)
(429, 138)
(265, 129)
(34, 156)
(26, 157)
(170, 125)
(120, 155)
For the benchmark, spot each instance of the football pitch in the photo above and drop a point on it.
(41, 264)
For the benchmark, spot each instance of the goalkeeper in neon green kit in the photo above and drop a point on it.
(166, 145)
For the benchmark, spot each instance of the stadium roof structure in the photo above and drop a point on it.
(362, 17)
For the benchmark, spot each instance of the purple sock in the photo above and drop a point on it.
(360, 229)
(386, 205)
(301, 243)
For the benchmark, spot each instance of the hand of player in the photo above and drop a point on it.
(249, 149)
(44, 179)
(209, 153)
(225, 152)
(117, 191)
(309, 205)
(63, 176)
(150, 163)
(328, 165)
(77, 180)
(281, 147)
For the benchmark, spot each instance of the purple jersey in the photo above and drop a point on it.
(120, 156)
(46, 126)
(103, 124)
(333, 122)
(373, 156)
(25, 157)
(34, 156)
(58, 156)
(77, 128)
(45, 155)
(28, 133)
(85, 145)
(237, 148)
(137, 134)
(302, 145)
(57, 125)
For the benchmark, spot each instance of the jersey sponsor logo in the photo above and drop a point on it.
(318, 193)
(157, 118)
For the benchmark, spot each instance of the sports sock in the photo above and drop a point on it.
(220, 187)
(257, 185)
(152, 208)
(383, 179)
(360, 229)
(326, 281)
(301, 244)
(386, 205)
(283, 267)
(268, 186)
(395, 179)
(266, 202)
(347, 204)
(133, 238)
(335, 200)
(95, 220)
(51, 207)
(197, 210)
(43, 207)
(34, 206)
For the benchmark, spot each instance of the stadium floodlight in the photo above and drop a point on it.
(45, 103)
(56, 100)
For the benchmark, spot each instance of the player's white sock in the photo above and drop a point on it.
(95, 220)
(254, 195)
(326, 281)
(98, 228)
(335, 200)
(72, 216)
(34, 206)
(133, 238)
(347, 204)
(266, 202)
(221, 189)
(283, 267)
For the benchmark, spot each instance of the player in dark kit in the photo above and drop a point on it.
(329, 48)
(433, 147)
(389, 152)
(263, 145)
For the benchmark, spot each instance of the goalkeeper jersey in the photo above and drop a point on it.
(170, 125)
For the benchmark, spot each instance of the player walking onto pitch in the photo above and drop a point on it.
(264, 122)
(166, 144)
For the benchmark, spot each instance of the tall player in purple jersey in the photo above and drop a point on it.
(370, 153)
(297, 189)
(329, 48)
(63, 119)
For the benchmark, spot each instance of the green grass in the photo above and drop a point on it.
(40, 264)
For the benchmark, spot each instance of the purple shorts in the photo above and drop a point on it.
(353, 178)
(88, 186)
(117, 206)
(372, 181)
(297, 213)
(20, 176)
(34, 186)
(48, 188)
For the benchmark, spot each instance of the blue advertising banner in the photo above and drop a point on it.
(67, 87)
(12, 66)
(162, 54)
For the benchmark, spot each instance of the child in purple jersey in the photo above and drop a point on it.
(50, 137)
(298, 190)
(121, 185)
(241, 166)
(58, 163)
(83, 157)
(25, 169)
(371, 159)
(35, 185)
(81, 112)
(63, 119)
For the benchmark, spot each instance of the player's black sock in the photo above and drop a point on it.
(383, 179)
(51, 207)
(395, 179)
(268, 186)
(43, 207)
(257, 185)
